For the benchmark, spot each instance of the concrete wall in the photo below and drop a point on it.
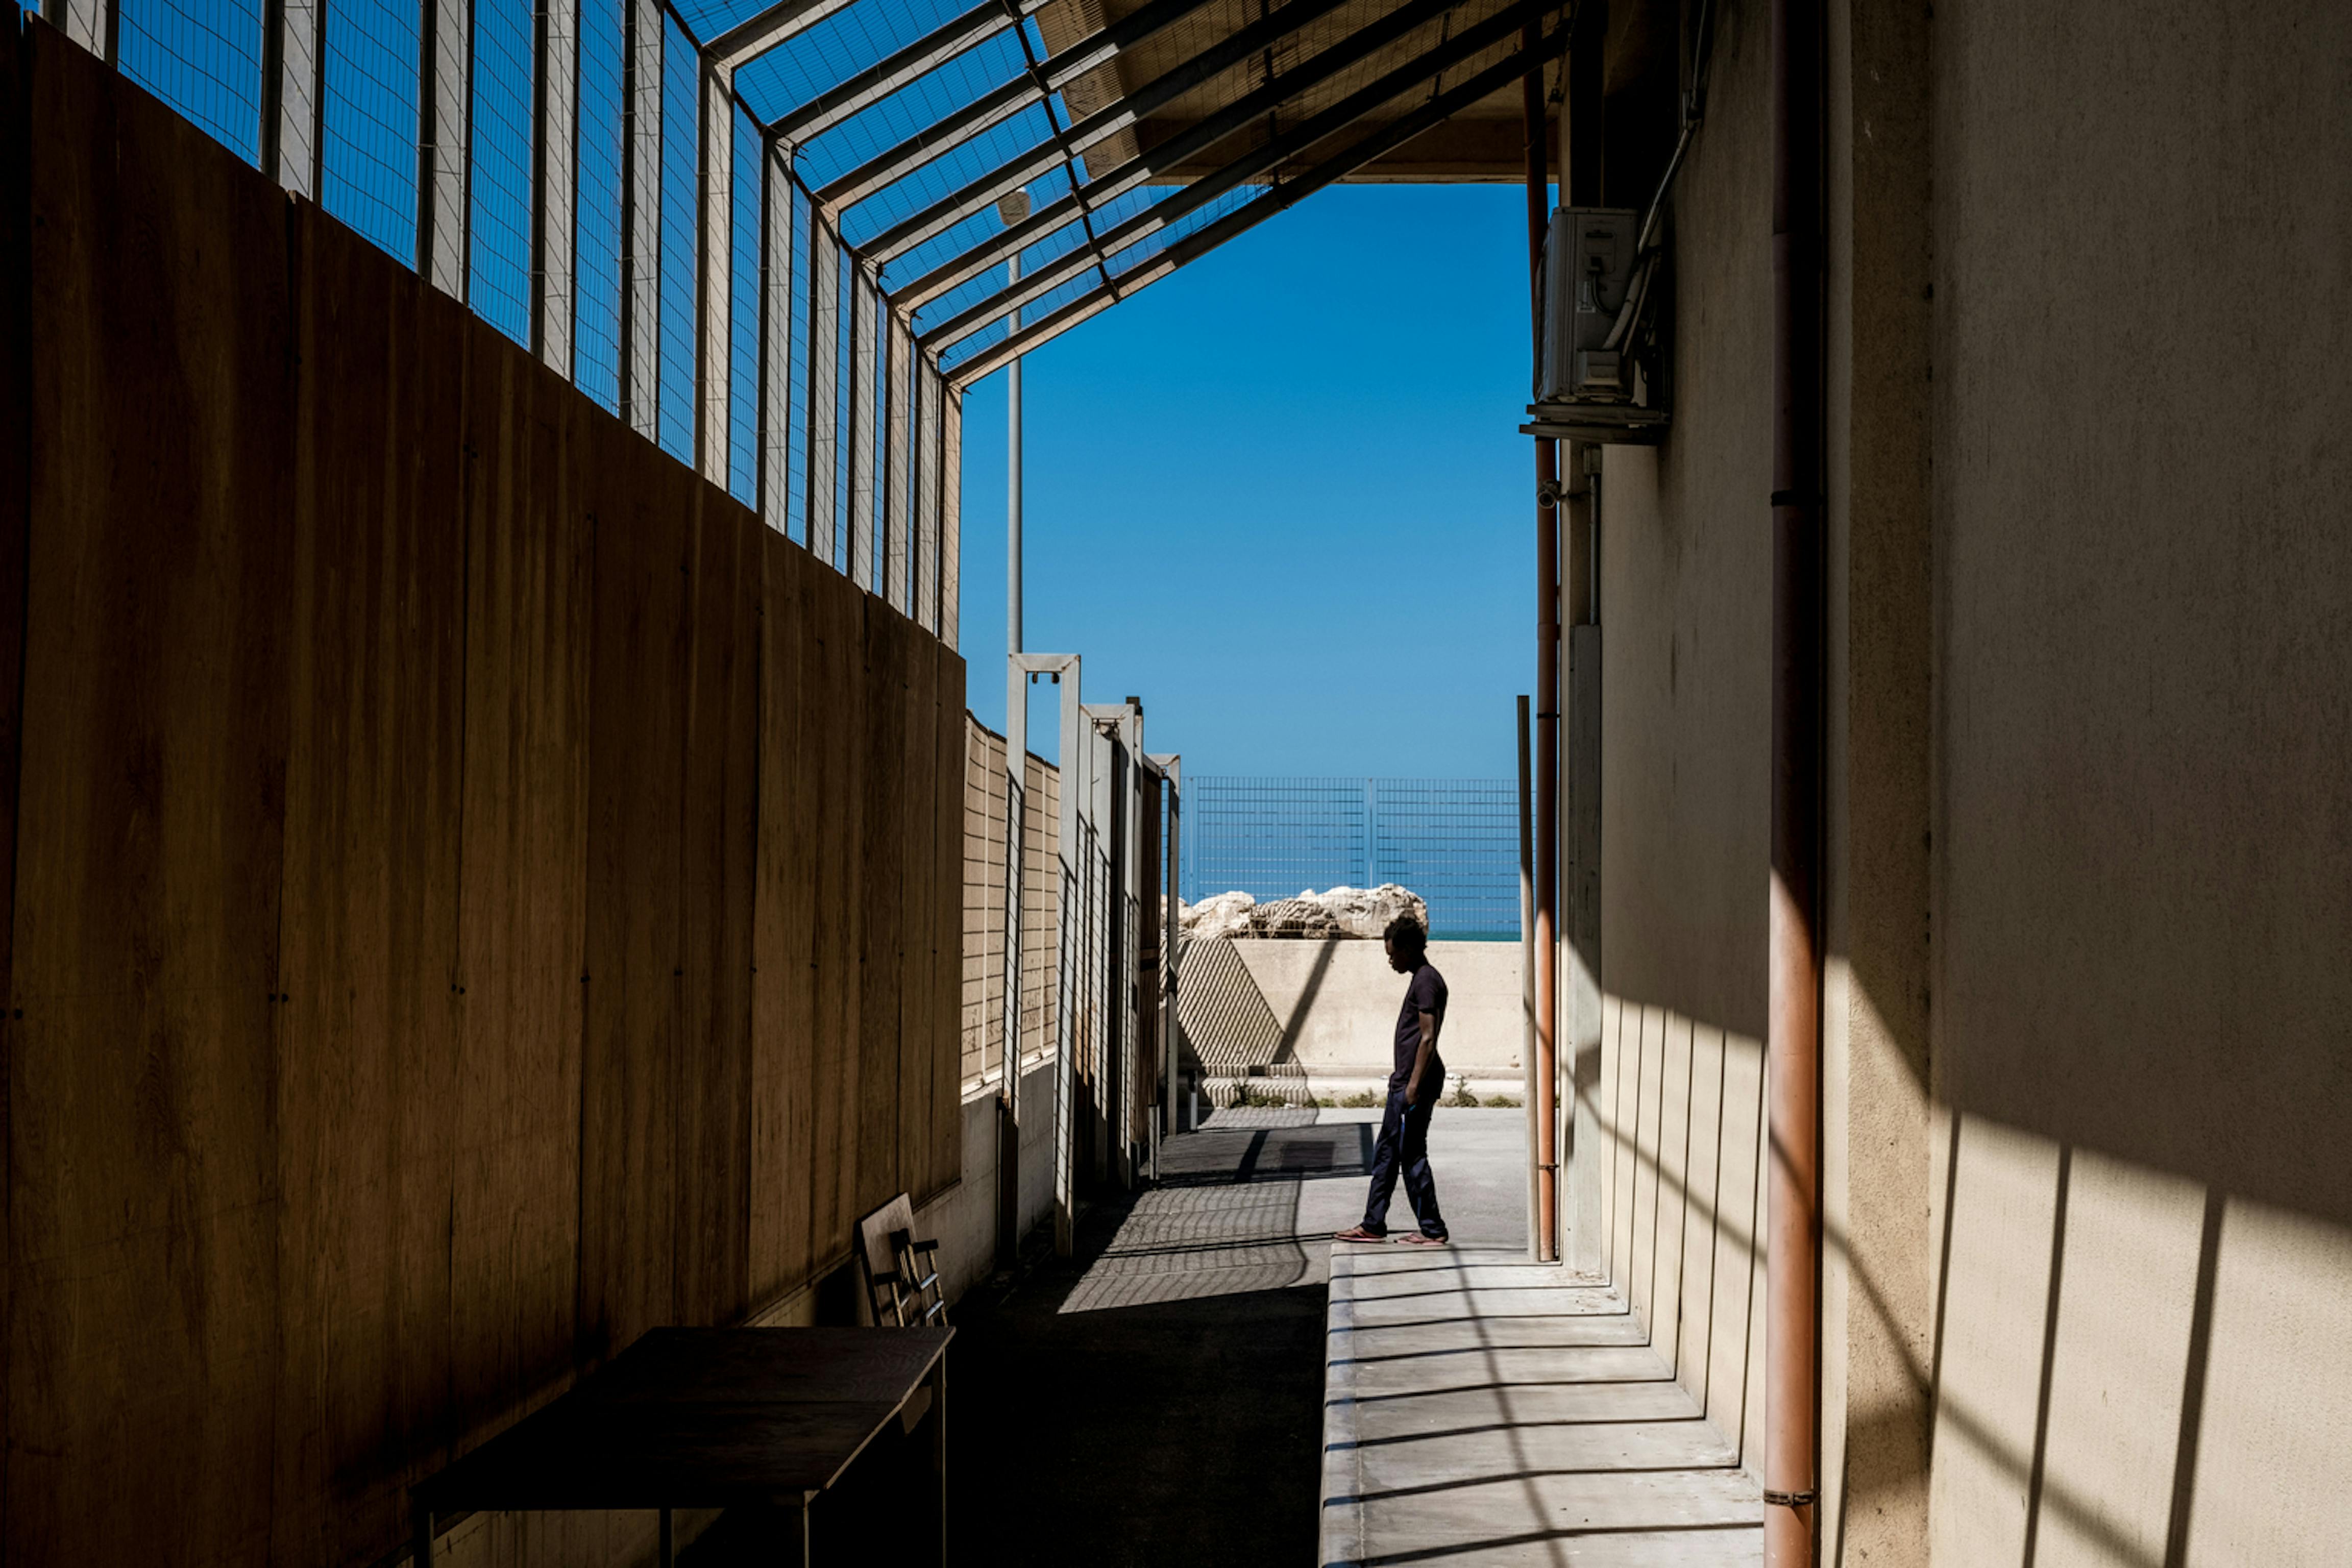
(2142, 561)
(1331, 1008)
(477, 894)
(2087, 1069)
(1686, 554)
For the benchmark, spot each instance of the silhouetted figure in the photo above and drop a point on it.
(1413, 1088)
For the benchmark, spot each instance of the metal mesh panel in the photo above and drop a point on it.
(796, 445)
(203, 59)
(827, 54)
(368, 173)
(1455, 842)
(596, 319)
(499, 285)
(956, 167)
(910, 112)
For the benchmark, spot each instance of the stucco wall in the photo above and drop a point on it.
(2087, 1031)
(1685, 556)
(2143, 904)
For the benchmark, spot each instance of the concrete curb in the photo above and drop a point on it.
(1341, 1538)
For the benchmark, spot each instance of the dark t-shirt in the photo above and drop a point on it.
(1425, 994)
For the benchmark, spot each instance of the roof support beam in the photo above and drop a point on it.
(1203, 191)
(887, 75)
(1242, 111)
(757, 34)
(953, 208)
(1192, 247)
(895, 163)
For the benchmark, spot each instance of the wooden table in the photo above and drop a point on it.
(707, 1419)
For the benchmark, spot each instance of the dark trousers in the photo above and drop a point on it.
(1403, 1149)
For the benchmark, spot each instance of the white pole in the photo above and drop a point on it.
(1011, 210)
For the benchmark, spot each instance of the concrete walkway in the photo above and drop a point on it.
(1479, 1410)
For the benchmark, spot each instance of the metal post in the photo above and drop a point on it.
(92, 24)
(1063, 668)
(714, 273)
(554, 171)
(824, 393)
(1577, 822)
(640, 349)
(1012, 209)
(864, 298)
(1547, 857)
(1527, 951)
(1008, 1100)
(950, 511)
(1067, 972)
(445, 161)
(898, 508)
(293, 90)
(1172, 1020)
(1792, 1048)
(777, 310)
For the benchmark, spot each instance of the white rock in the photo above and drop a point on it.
(1227, 915)
(1361, 912)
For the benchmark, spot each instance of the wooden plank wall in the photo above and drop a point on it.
(479, 894)
(980, 1016)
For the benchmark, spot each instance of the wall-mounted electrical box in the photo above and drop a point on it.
(1588, 269)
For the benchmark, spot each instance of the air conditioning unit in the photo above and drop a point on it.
(1591, 337)
(1587, 271)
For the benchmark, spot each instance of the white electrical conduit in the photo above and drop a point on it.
(1646, 244)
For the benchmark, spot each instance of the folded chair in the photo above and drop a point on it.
(901, 1274)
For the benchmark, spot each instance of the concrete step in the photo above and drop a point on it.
(1483, 1410)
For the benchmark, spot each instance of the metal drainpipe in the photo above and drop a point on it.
(1794, 1046)
(1547, 867)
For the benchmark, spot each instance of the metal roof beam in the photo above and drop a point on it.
(1192, 248)
(757, 34)
(1197, 137)
(888, 167)
(1054, 74)
(887, 75)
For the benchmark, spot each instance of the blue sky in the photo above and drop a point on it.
(1281, 497)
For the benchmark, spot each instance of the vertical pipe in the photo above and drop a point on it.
(1527, 951)
(1013, 476)
(1793, 1045)
(1008, 1050)
(1171, 1029)
(1547, 859)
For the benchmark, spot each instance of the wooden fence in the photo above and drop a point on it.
(476, 893)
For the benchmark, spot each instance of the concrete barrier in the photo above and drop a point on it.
(1327, 1011)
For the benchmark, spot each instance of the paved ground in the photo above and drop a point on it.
(1160, 1399)
(1480, 1412)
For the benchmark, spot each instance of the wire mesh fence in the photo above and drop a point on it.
(729, 221)
(1455, 842)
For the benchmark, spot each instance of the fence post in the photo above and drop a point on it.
(445, 100)
(554, 174)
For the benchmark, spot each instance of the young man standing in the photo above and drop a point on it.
(1413, 1089)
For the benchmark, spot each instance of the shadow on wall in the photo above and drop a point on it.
(1231, 1031)
(2124, 1366)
